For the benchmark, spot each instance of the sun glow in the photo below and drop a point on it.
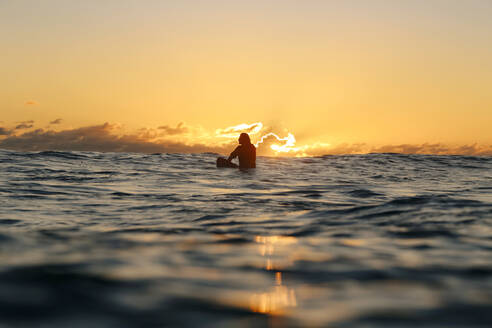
(281, 145)
(288, 146)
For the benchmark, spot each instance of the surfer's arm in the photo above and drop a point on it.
(234, 154)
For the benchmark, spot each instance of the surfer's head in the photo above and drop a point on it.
(244, 139)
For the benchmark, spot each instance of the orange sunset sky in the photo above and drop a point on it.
(172, 76)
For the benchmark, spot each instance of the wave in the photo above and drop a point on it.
(124, 239)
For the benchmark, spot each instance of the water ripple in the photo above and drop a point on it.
(132, 240)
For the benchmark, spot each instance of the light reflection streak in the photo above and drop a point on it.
(280, 297)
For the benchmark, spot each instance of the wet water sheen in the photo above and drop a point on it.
(168, 240)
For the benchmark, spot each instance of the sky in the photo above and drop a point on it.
(170, 76)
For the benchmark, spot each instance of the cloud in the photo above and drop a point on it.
(179, 129)
(30, 103)
(426, 148)
(57, 121)
(103, 138)
(436, 149)
(235, 131)
(5, 132)
(188, 139)
(24, 125)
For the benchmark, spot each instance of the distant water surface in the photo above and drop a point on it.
(168, 240)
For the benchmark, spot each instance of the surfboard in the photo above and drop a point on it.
(222, 162)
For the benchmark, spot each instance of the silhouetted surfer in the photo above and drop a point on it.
(246, 152)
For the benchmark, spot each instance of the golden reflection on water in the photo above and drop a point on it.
(280, 297)
(353, 242)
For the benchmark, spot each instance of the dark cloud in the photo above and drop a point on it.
(30, 103)
(5, 132)
(179, 129)
(23, 126)
(99, 138)
(57, 121)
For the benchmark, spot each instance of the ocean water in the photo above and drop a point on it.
(168, 240)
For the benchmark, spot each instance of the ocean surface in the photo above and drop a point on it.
(168, 240)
